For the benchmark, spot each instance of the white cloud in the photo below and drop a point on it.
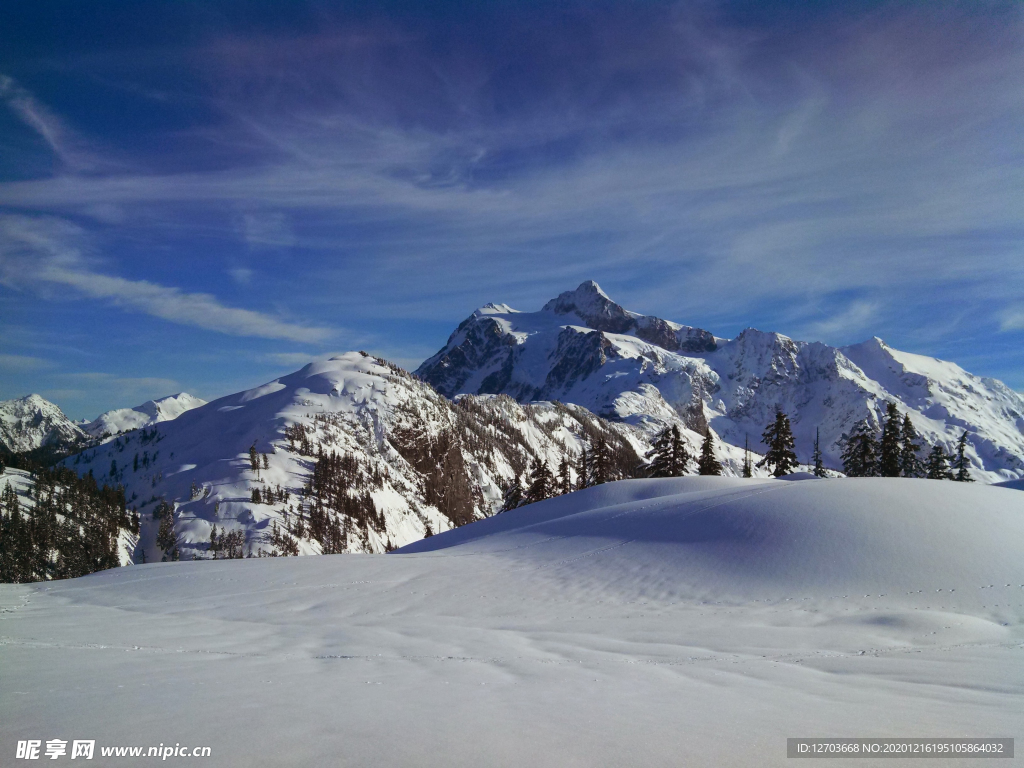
(64, 143)
(1012, 320)
(241, 275)
(23, 363)
(40, 252)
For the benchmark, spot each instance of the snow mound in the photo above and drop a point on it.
(751, 537)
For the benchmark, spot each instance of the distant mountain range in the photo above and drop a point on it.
(33, 422)
(354, 454)
(583, 348)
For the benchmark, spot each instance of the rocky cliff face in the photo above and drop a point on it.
(583, 348)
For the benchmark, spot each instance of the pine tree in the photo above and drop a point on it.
(513, 497)
(910, 464)
(541, 483)
(937, 465)
(747, 469)
(778, 436)
(254, 460)
(165, 536)
(266, 462)
(819, 466)
(889, 447)
(601, 462)
(564, 479)
(583, 470)
(669, 456)
(860, 451)
(660, 454)
(707, 464)
(962, 461)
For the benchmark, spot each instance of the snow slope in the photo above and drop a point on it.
(32, 422)
(584, 348)
(151, 412)
(695, 621)
(389, 422)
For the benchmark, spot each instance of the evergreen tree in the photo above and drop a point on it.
(165, 536)
(889, 447)
(601, 462)
(910, 464)
(564, 479)
(513, 497)
(747, 469)
(819, 467)
(583, 470)
(254, 460)
(937, 465)
(962, 461)
(541, 483)
(661, 454)
(707, 464)
(669, 457)
(778, 436)
(266, 462)
(860, 451)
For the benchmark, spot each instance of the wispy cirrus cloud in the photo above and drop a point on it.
(39, 252)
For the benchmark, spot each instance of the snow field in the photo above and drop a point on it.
(693, 621)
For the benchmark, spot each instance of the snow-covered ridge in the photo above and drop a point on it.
(32, 422)
(151, 412)
(426, 463)
(583, 348)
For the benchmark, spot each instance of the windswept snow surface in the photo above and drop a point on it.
(692, 621)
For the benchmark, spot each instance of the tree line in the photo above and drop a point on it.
(70, 528)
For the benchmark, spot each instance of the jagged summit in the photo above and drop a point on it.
(32, 422)
(585, 348)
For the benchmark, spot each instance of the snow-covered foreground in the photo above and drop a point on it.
(694, 621)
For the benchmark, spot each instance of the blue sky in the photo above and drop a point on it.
(200, 196)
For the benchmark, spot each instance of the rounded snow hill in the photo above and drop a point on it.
(757, 538)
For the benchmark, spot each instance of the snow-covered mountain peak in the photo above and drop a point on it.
(646, 370)
(593, 306)
(151, 412)
(31, 422)
(494, 309)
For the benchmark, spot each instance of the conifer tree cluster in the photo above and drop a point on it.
(336, 506)
(69, 527)
(668, 456)
(896, 452)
